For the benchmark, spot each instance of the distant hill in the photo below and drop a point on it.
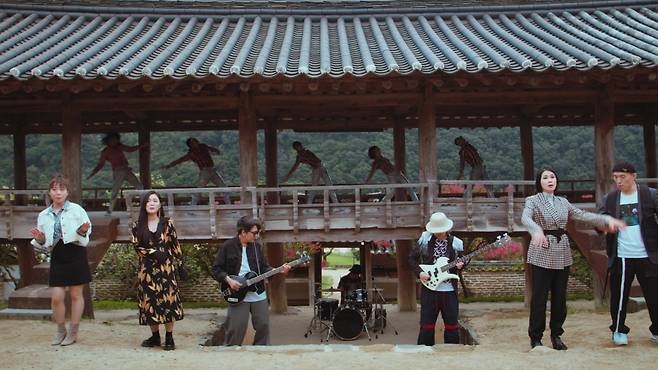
(570, 150)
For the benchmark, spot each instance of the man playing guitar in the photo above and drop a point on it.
(434, 243)
(238, 256)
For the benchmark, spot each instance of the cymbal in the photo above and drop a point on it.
(331, 290)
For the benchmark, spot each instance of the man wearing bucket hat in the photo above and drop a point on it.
(350, 282)
(435, 242)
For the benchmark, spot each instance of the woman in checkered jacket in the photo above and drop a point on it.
(549, 254)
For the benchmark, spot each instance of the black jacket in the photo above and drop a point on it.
(417, 257)
(648, 202)
(229, 259)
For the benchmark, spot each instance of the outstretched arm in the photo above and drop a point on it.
(292, 170)
(462, 163)
(212, 149)
(130, 149)
(178, 161)
(101, 163)
(372, 172)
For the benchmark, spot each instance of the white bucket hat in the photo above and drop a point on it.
(439, 223)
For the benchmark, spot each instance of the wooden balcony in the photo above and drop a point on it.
(361, 214)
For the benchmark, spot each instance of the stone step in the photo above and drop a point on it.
(26, 314)
(636, 304)
(35, 296)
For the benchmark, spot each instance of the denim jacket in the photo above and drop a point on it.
(72, 217)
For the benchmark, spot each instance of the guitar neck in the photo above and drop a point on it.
(272, 272)
(468, 256)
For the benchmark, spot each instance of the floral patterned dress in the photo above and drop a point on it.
(157, 291)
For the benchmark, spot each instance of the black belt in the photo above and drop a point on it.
(558, 233)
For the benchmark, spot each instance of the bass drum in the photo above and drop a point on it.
(348, 323)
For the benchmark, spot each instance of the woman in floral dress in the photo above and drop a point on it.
(159, 254)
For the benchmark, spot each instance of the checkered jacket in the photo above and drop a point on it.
(546, 212)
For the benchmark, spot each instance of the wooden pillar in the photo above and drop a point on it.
(278, 294)
(26, 261)
(271, 162)
(399, 155)
(650, 146)
(528, 155)
(406, 278)
(71, 154)
(399, 147)
(427, 161)
(248, 151)
(20, 162)
(144, 137)
(604, 146)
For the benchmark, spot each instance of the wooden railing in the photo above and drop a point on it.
(362, 214)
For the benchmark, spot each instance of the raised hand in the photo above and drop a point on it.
(38, 235)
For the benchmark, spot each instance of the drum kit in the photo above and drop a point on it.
(353, 318)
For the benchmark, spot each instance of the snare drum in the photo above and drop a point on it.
(359, 296)
(348, 323)
(326, 308)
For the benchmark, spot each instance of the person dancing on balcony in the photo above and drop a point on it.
(436, 242)
(469, 155)
(121, 172)
(199, 153)
(632, 252)
(317, 171)
(545, 215)
(394, 175)
(64, 228)
(156, 243)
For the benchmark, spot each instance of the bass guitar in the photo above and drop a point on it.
(248, 281)
(438, 272)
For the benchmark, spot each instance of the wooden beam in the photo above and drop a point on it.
(406, 278)
(527, 155)
(604, 146)
(248, 148)
(271, 161)
(71, 154)
(399, 154)
(278, 294)
(427, 138)
(26, 261)
(144, 137)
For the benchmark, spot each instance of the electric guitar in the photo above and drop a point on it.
(438, 272)
(248, 281)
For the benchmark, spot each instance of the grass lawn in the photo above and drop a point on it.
(339, 260)
(327, 282)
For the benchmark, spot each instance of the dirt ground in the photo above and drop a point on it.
(112, 341)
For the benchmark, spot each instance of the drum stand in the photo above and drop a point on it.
(379, 313)
(316, 322)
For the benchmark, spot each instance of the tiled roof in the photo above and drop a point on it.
(47, 43)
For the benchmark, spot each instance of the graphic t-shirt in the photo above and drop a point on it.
(244, 268)
(629, 241)
(441, 250)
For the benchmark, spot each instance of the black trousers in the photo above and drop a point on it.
(623, 271)
(431, 303)
(544, 281)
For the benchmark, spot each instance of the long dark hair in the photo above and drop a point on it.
(143, 232)
(538, 178)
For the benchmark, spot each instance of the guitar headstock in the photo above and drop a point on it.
(502, 240)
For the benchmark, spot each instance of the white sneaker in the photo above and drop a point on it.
(654, 338)
(620, 339)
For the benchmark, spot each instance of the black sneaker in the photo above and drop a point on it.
(558, 344)
(153, 341)
(169, 344)
(535, 342)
